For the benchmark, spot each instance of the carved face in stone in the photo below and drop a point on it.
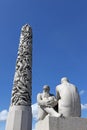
(46, 88)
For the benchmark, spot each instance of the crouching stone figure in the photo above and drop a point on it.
(46, 103)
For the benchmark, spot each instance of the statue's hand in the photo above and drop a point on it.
(52, 103)
(49, 104)
(46, 104)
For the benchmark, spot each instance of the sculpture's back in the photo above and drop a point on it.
(68, 99)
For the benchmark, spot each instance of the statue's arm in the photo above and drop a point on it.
(40, 100)
(78, 104)
(54, 102)
(57, 94)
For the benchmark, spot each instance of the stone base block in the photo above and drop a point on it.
(19, 118)
(54, 123)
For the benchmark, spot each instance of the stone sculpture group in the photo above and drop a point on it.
(66, 103)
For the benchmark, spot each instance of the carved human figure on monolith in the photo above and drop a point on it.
(20, 113)
(21, 93)
(68, 99)
(46, 103)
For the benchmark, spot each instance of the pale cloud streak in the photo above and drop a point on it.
(84, 106)
(35, 111)
(3, 115)
(82, 92)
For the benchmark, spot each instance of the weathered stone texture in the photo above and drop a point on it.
(19, 118)
(69, 123)
(21, 93)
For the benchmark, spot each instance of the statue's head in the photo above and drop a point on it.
(64, 79)
(26, 27)
(46, 88)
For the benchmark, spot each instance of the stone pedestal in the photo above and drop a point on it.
(54, 123)
(19, 118)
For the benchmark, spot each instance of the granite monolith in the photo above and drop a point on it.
(20, 113)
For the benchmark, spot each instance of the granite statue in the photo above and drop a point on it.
(68, 99)
(20, 111)
(46, 103)
(21, 93)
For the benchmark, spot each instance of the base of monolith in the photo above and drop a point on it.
(54, 123)
(19, 118)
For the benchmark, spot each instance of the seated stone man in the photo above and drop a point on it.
(68, 99)
(46, 103)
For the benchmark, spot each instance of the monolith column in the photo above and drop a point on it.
(20, 115)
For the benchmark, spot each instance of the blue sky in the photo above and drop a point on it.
(59, 45)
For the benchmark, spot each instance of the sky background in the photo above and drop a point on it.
(59, 46)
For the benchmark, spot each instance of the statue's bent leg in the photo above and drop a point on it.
(41, 113)
(52, 112)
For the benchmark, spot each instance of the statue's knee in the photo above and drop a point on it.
(40, 117)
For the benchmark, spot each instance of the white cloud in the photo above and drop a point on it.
(84, 106)
(33, 129)
(35, 111)
(3, 115)
(82, 92)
